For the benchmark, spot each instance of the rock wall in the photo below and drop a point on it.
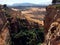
(4, 31)
(52, 26)
(51, 12)
(5, 37)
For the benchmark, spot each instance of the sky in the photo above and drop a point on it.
(10, 2)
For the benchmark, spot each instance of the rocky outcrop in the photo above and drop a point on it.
(51, 12)
(52, 26)
(5, 37)
(4, 31)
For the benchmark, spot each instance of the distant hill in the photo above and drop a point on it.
(24, 4)
(27, 4)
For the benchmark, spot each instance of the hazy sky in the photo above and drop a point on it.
(10, 2)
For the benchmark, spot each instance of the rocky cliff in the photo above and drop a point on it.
(4, 31)
(52, 25)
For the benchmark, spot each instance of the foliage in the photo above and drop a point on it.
(54, 1)
(21, 35)
(33, 37)
(57, 6)
(58, 0)
(7, 15)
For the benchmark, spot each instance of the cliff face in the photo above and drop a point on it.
(2, 19)
(4, 31)
(52, 16)
(52, 25)
(5, 37)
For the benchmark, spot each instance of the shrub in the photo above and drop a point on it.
(31, 37)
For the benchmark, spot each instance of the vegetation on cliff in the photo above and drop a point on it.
(22, 34)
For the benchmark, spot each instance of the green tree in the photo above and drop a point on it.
(5, 6)
(54, 1)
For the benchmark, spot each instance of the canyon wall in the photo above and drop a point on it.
(52, 25)
(4, 31)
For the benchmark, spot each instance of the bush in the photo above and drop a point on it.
(31, 37)
(24, 36)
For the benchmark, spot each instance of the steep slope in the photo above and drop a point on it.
(4, 31)
(52, 25)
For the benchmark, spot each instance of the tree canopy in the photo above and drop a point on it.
(54, 1)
